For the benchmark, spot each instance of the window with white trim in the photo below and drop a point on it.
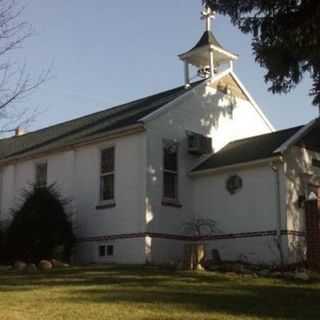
(110, 250)
(41, 174)
(107, 174)
(105, 251)
(170, 170)
(102, 251)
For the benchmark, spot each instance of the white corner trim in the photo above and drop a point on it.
(172, 103)
(236, 166)
(296, 137)
(220, 75)
(255, 105)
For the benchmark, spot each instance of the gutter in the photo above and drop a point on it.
(113, 134)
(236, 166)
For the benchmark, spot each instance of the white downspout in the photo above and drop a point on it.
(186, 74)
(275, 168)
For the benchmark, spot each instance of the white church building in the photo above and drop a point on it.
(136, 173)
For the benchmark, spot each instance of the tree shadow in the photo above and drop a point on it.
(277, 302)
(183, 291)
(98, 276)
(255, 301)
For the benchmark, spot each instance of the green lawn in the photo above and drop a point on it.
(148, 293)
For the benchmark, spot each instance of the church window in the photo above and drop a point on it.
(170, 170)
(110, 250)
(107, 174)
(102, 251)
(105, 251)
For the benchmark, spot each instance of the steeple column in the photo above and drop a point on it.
(211, 63)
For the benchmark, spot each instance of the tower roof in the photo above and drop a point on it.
(199, 55)
(207, 39)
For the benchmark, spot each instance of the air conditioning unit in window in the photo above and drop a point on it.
(199, 144)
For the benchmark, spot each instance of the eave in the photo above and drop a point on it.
(237, 166)
(113, 134)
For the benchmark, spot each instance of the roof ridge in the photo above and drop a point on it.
(110, 109)
(264, 134)
(73, 131)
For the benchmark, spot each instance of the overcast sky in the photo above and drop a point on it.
(108, 52)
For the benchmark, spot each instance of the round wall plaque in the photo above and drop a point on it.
(234, 184)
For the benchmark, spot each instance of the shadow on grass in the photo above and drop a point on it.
(193, 292)
(275, 303)
(98, 276)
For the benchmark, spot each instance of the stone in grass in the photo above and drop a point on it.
(249, 275)
(45, 265)
(19, 266)
(301, 276)
(59, 264)
(288, 275)
(7, 268)
(276, 274)
(264, 273)
(31, 268)
(232, 274)
(240, 268)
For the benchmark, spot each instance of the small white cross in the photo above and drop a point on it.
(207, 14)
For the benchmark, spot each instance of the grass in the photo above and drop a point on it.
(114, 292)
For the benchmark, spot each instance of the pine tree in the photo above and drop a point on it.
(286, 38)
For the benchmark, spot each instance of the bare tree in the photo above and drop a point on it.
(15, 81)
(200, 227)
(195, 251)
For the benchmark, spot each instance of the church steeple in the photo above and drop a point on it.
(208, 54)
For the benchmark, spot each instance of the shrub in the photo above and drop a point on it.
(39, 226)
(1, 244)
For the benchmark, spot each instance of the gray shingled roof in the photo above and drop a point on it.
(88, 127)
(207, 38)
(246, 150)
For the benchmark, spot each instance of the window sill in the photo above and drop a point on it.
(171, 203)
(106, 205)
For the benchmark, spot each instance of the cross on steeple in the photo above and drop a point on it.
(207, 14)
(208, 54)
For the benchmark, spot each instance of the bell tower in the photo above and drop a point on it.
(207, 55)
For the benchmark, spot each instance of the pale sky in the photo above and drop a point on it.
(106, 53)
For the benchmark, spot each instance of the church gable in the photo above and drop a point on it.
(228, 85)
